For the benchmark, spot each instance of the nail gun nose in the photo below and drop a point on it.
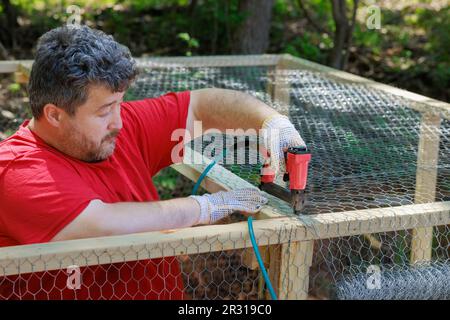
(298, 198)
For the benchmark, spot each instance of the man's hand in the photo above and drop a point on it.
(216, 206)
(279, 135)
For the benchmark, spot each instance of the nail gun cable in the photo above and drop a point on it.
(250, 229)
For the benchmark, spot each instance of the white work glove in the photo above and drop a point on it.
(278, 135)
(216, 206)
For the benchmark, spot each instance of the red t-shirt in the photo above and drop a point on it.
(42, 190)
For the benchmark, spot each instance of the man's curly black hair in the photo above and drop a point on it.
(71, 58)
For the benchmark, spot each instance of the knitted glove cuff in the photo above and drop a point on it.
(276, 121)
(205, 210)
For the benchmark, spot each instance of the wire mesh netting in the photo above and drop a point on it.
(370, 150)
(364, 141)
(365, 146)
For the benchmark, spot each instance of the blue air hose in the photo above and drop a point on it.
(258, 257)
(250, 229)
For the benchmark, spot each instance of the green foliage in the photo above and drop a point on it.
(146, 4)
(130, 95)
(413, 40)
(9, 132)
(191, 43)
(371, 40)
(167, 179)
(309, 43)
(14, 87)
(322, 10)
(400, 249)
(305, 47)
(437, 26)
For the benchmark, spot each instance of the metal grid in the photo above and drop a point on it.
(364, 142)
(365, 155)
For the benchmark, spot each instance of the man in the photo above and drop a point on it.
(82, 167)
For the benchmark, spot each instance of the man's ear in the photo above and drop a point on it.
(53, 114)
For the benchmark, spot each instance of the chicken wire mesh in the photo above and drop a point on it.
(367, 147)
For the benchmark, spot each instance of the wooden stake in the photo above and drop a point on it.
(426, 177)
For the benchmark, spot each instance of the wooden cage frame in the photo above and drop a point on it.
(289, 241)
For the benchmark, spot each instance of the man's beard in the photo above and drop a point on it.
(81, 147)
(102, 152)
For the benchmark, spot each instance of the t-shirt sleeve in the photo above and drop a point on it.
(154, 122)
(41, 195)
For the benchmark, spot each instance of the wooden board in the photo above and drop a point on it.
(221, 179)
(209, 61)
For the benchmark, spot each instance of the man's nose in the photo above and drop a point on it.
(116, 121)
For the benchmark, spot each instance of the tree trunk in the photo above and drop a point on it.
(11, 22)
(3, 52)
(343, 33)
(252, 36)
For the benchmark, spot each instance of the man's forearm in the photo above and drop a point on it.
(229, 109)
(102, 219)
(153, 216)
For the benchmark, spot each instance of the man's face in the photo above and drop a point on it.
(90, 135)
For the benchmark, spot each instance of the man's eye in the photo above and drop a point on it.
(105, 113)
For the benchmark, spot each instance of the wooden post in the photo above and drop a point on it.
(249, 259)
(278, 86)
(289, 263)
(426, 176)
(20, 77)
(289, 269)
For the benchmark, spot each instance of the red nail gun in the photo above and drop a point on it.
(297, 159)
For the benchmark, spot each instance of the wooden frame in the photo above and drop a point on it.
(287, 241)
(220, 237)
